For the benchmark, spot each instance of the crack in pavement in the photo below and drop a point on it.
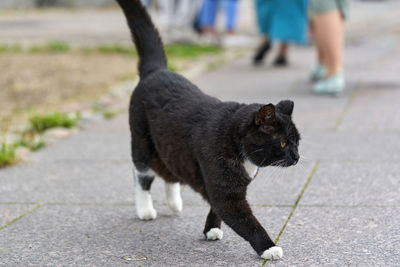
(22, 215)
(314, 169)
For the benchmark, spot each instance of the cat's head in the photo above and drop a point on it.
(272, 139)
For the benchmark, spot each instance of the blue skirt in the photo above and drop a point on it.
(283, 20)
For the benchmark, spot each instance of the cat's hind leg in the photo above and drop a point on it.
(172, 185)
(142, 156)
(212, 230)
(174, 199)
(144, 202)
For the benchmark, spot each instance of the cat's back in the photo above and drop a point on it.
(169, 91)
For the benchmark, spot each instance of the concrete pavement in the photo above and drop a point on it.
(73, 202)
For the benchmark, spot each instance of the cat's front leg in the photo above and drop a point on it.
(236, 213)
(212, 229)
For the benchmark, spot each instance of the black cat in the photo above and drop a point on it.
(185, 136)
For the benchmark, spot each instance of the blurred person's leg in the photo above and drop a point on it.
(281, 59)
(181, 11)
(330, 40)
(318, 71)
(186, 12)
(184, 16)
(231, 14)
(208, 15)
(328, 25)
(167, 12)
(263, 10)
(146, 3)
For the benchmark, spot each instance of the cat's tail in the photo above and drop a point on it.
(146, 37)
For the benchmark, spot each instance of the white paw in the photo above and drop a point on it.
(215, 234)
(147, 214)
(176, 204)
(273, 253)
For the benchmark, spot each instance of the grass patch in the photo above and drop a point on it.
(172, 67)
(40, 123)
(31, 141)
(182, 51)
(190, 51)
(6, 48)
(127, 76)
(50, 47)
(7, 155)
(109, 114)
(116, 49)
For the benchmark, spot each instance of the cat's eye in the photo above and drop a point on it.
(283, 144)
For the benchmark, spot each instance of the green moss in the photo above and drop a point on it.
(40, 123)
(314, 169)
(21, 216)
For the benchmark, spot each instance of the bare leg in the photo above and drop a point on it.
(262, 50)
(329, 35)
(283, 50)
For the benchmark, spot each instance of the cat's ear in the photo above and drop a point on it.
(286, 107)
(266, 115)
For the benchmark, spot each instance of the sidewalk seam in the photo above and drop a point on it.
(346, 108)
(314, 169)
(78, 204)
(21, 216)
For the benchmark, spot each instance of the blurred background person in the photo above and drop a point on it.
(176, 17)
(285, 21)
(208, 14)
(179, 13)
(146, 3)
(327, 26)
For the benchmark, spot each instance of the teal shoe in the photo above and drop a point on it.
(331, 86)
(317, 73)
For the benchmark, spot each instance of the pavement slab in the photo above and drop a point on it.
(354, 236)
(114, 236)
(279, 186)
(69, 181)
(367, 146)
(354, 184)
(382, 114)
(108, 142)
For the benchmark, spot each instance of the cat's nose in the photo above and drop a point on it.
(295, 156)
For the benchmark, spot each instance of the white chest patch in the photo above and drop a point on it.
(251, 169)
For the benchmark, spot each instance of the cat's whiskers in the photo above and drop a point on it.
(277, 171)
(255, 151)
(302, 157)
(300, 165)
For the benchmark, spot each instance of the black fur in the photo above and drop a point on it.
(189, 137)
(145, 181)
